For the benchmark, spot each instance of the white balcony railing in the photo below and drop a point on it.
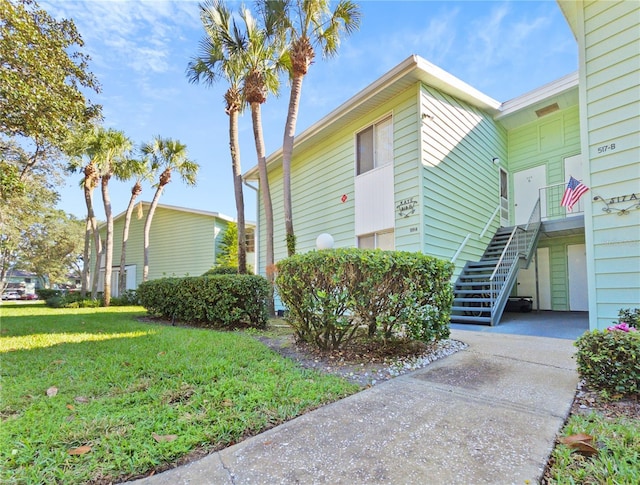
(550, 198)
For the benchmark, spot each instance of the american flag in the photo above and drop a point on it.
(572, 193)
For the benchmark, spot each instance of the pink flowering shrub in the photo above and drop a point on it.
(609, 361)
(623, 327)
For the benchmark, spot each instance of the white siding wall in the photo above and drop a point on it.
(374, 200)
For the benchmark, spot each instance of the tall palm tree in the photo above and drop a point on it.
(165, 155)
(263, 58)
(112, 148)
(81, 149)
(218, 60)
(306, 23)
(140, 170)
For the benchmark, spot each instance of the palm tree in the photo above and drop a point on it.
(219, 57)
(307, 23)
(111, 148)
(126, 171)
(167, 155)
(263, 62)
(81, 149)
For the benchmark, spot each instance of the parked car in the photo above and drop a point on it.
(29, 296)
(10, 295)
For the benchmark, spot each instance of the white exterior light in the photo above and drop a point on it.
(324, 241)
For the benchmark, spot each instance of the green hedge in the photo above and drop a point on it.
(609, 360)
(46, 293)
(220, 300)
(330, 294)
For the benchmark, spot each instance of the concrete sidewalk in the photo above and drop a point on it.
(486, 415)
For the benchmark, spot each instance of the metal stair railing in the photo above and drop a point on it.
(520, 245)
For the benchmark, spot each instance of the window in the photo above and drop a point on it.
(504, 187)
(377, 240)
(374, 146)
(249, 237)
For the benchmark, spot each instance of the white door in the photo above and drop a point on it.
(577, 265)
(131, 277)
(573, 168)
(527, 280)
(526, 185)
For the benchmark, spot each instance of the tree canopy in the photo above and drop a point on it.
(42, 76)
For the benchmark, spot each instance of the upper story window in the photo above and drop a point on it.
(374, 146)
(249, 237)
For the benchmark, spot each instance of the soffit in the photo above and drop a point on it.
(522, 110)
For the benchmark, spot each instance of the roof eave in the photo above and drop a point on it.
(410, 71)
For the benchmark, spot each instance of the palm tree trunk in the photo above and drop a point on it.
(287, 154)
(147, 230)
(256, 118)
(86, 274)
(122, 278)
(108, 247)
(234, 146)
(97, 244)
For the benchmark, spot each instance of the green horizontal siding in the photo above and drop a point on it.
(180, 243)
(460, 182)
(610, 87)
(559, 268)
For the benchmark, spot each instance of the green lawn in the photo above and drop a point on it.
(616, 462)
(93, 394)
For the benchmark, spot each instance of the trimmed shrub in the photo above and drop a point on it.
(46, 293)
(330, 294)
(609, 360)
(218, 300)
(128, 298)
(72, 300)
(221, 270)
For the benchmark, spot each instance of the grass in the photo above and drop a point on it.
(617, 461)
(133, 397)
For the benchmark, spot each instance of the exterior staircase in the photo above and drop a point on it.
(483, 287)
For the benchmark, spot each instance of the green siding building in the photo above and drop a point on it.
(182, 242)
(421, 161)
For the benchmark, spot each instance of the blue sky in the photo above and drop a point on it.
(140, 51)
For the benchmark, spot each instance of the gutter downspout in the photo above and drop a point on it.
(257, 231)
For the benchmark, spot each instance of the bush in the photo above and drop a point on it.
(46, 293)
(72, 300)
(630, 317)
(608, 360)
(221, 270)
(128, 297)
(330, 294)
(221, 300)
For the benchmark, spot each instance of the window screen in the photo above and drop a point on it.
(375, 146)
(378, 240)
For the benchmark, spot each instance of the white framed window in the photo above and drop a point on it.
(250, 239)
(378, 240)
(374, 146)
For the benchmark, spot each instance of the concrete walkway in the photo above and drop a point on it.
(485, 415)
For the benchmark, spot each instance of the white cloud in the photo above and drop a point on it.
(136, 34)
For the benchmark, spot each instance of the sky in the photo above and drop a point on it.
(140, 51)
